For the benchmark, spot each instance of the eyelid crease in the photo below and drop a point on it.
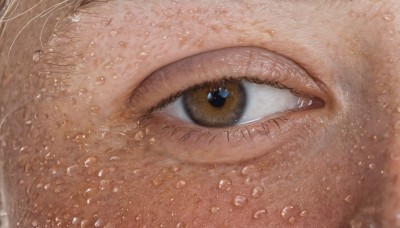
(250, 63)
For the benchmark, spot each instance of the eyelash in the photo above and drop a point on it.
(172, 98)
(189, 132)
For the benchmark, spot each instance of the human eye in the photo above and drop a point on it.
(228, 105)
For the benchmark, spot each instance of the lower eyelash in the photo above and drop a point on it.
(260, 127)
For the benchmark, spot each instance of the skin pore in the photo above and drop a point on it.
(81, 146)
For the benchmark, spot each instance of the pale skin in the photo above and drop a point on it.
(77, 151)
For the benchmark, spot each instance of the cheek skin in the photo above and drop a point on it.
(67, 164)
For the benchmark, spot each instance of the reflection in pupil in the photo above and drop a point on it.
(218, 97)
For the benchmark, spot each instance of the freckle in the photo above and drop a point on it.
(100, 81)
(123, 44)
(240, 200)
(225, 184)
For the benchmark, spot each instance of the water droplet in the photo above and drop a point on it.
(139, 136)
(90, 192)
(37, 55)
(152, 141)
(257, 191)
(214, 209)
(129, 16)
(348, 199)
(90, 161)
(75, 17)
(398, 109)
(99, 223)
(292, 220)
(76, 220)
(143, 54)
(180, 225)
(100, 81)
(225, 184)
(259, 213)
(72, 170)
(388, 17)
(240, 200)
(181, 184)
(371, 166)
(35, 223)
(247, 170)
(303, 213)
(287, 211)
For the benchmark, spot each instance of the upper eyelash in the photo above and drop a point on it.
(172, 98)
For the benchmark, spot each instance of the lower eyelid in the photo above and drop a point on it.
(229, 145)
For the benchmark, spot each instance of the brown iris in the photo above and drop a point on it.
(218, 104)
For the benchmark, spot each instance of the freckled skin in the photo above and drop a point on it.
(72, 159)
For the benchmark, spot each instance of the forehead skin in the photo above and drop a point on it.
(70, 160)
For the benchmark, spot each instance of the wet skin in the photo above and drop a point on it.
(81, 149)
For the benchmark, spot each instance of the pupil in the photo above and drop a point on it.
(218, 97)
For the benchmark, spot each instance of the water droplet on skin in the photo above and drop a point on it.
(72, 170)
(100, 81)
(287, 211)
(90, 192)
(240, 200)
(398, 109)
(292, 220)
(90, 161)
(257, 191)
(180, 225)
(303, 213)
(152, 141)
(99, 223)
(225, 184)
(214, 209)
(371, 166)
(76, 17)
(348, 199)
(388, 17)
(35, 223)
(259, 213)
(75, 221)
(139, 136)
(247, 170)
(181, 184)
(37, 55)
(143, 54)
